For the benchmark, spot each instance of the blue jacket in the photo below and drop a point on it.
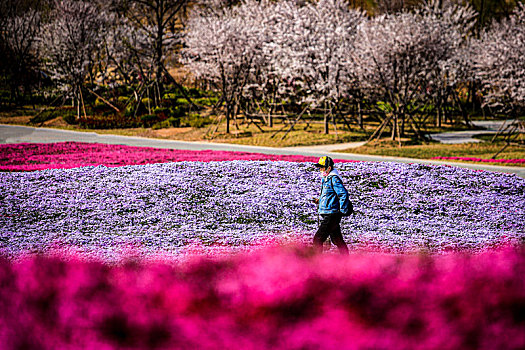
(334, 196)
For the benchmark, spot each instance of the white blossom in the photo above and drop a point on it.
(499, 62)
(70, 42)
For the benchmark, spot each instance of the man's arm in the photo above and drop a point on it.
(342, 194)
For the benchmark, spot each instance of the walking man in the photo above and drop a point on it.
(333, 204)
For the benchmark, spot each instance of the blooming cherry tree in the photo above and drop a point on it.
(454, 68)
(499, 62)
(223, 46)
(404, 58)
(299, 52)
(314, 47)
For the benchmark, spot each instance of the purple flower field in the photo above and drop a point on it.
(177, 209)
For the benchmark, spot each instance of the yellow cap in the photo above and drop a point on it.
(324, 162)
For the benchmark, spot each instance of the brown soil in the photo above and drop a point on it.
(56, 122)
(170, 132)
(23, 119)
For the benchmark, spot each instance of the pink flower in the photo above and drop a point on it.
(277, 298)
(65, 155)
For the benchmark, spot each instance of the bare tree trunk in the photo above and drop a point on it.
(334, 121)
(439, 114)
(379, 131)
(359, 114)
(473, 97)
(159, 46)
(235, 113)
(394, 128)
(228, 111)
(461, 109)
(149, 102)
(326, 131)
(76, 103)
(82, 99)
(398, 131)
(139, 101)
(270, 118)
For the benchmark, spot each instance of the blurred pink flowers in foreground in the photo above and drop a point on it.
(66, 155)
(278, 298)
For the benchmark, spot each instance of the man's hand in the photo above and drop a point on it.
(315, 200)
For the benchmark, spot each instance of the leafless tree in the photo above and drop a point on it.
(70, 43)
(19, 26)
(161, 20)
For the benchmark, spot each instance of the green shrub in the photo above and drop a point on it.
(384, 106)
(70, 117)
(206, 101)
(68, 114)
(195, 121)
(161, 125)
(123, 100)
(174, 121)
(100, 108)
(43, 117)
(162, 111)
(194, 92)
(171, 96)
(122, 90)
(115, 121)
(147, 100)
(182, 102)
(149, 119)
(170, 122)
(130, 110)
(166, 103)
(177, 112)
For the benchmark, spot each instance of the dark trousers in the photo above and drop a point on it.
(330, 227)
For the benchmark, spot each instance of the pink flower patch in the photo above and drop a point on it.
(66, 155)
(286, 298)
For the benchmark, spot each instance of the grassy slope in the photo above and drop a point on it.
(484, 150)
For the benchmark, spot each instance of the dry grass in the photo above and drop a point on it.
(483, 150)
(273, 137)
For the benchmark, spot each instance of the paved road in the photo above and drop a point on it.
(467, 136)
(19, 134)
(328, 148)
